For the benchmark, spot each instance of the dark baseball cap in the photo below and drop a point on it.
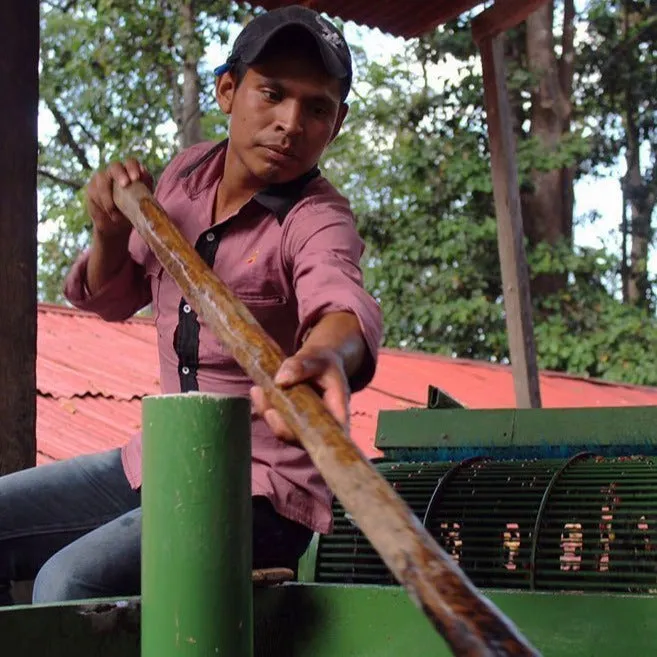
(257, 34)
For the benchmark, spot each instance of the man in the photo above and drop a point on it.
(261, 215)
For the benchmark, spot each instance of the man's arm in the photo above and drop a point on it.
(340, 324)
(340, 333)
(107, 256)
(105, 279)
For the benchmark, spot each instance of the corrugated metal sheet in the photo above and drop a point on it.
(91, 376)
(83, 425)
(405, 19)
(80, 355)
(484, 385)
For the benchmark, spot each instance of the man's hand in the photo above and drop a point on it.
(333, 351)
(108, 220)
(111, 233)
(323, 368)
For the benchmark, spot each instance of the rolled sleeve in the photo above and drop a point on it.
(120, 298)
(323, 250)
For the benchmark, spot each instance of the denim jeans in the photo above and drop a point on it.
(75, 528)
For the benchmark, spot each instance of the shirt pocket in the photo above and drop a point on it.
(274, 312)
(261, 300)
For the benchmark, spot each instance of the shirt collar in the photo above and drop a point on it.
(279, 199)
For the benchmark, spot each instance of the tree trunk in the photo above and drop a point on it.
(19, 81)
(641, 205)
(548, 207)
(638, 195)
(190, 131)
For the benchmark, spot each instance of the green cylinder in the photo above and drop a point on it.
(197, 596)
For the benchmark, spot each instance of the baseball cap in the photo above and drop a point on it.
(257, 34)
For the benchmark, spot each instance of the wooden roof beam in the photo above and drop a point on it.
(448, 11)
(407, 22)
(502, 16)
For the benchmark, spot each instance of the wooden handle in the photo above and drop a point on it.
(468, 622)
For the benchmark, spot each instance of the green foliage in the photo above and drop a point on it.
(584, 330)
(416, 173)
(414, 163)
(618, 68)
(111, 74)
(617, 64)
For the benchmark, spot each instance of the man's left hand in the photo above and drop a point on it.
(319, 366)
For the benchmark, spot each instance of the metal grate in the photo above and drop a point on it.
(583, 524)
(346, 556)
(486, 518)
(599, 529)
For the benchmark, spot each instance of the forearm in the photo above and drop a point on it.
(106, 258)
(341, 333)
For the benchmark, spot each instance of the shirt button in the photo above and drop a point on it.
(187, 308)
(210, 237)
(185, 370)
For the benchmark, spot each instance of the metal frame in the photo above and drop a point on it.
(625, 430)
(334, 621)
(541, 511)
(438, 493)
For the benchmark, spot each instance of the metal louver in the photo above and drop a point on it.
(599, 528)
(346, 556)
(585, 523)
(485, 518)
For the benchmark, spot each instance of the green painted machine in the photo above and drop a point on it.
(578, 513)
(561, 536)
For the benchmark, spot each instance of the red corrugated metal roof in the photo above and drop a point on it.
(78, 354)
(92, 374)
(405, 19)
(83, 425)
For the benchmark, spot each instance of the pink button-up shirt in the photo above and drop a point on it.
(292, 255)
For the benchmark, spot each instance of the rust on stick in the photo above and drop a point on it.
(470, 624)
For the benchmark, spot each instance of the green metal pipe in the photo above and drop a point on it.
(197, 596)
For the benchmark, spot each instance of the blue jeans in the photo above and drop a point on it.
(75, 527)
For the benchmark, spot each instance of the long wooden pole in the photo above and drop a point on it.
(468, 622)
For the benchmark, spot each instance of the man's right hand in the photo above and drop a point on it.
(109, 223)
(111, 234)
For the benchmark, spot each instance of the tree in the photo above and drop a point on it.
(619, 65)
(548, 199)
(414, 161)
(118, 78)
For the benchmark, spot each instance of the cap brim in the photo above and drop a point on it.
(332, 62)
(220, 70)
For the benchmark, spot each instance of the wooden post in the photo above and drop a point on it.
(513, 262)
(19, 85)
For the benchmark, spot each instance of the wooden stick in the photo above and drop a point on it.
(468, 622)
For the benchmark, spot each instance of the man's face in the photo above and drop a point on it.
(283, 115)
